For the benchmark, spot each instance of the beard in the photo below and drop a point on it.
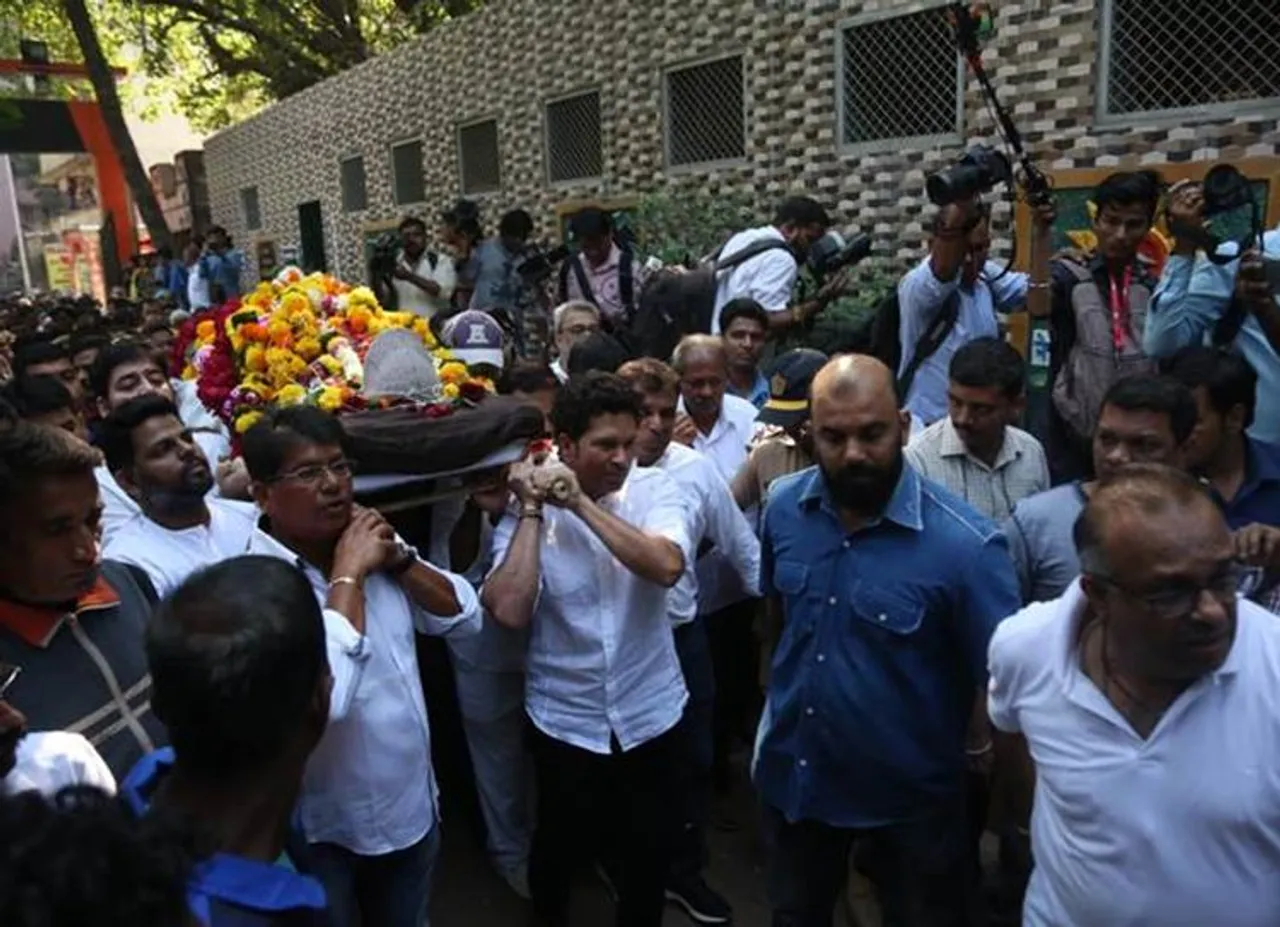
(862, 488)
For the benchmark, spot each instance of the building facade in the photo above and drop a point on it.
(533, 103)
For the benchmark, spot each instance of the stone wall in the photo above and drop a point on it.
(508, 59)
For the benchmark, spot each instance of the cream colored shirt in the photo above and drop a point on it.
(1019, 470)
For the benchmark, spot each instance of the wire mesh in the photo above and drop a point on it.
(900, 79)
(478, 152)
(1177, 54)
(573, 138)
(407, 179)
(706, 121)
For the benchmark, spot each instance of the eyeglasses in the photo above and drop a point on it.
(313, 474)
(1234, 579)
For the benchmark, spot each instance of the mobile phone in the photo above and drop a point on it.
(9, 673)
(1272, 268)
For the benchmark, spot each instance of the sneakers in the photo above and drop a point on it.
(699, 902)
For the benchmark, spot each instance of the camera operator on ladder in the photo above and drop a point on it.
(957, 282)
(769, 277)
(421, 280)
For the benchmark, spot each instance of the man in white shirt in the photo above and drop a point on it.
(589, 575)
(369, 803)
(769, 277)
(714, 522)
(722, 427)
(975, 451)
(572, 322)
(154, 459)
(129, 369)
(423, 280)
(1147, 699)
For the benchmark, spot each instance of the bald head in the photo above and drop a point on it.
(854, 374)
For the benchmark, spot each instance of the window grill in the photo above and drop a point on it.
(355, 195)
(574, 148)
(478, 157)
(407, 180)
(705, 117)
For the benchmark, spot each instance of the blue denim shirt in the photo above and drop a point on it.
(883, 648)
(1257, 502)
(223, 269)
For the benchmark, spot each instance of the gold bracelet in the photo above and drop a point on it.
(344, 581)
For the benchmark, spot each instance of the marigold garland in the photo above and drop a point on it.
(302, 339)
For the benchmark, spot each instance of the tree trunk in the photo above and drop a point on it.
(104, 86)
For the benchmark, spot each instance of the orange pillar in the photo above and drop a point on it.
(112, 187)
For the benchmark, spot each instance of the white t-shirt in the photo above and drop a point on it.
(168, 557)
(767, 278)
(52, 760)
(197, 288)
(1180, 829)
(413, 298)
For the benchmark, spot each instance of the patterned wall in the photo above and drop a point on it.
(508, 59)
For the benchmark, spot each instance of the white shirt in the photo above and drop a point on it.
(767, 278)
(729, 441)
(558, 369)
(1179, 830)
(48, 761)
(168, 557)
(412, 298)
(601, 656)
(717, 518)
(1019, 470)
(197, 288)
(369, 785)
(921, 296)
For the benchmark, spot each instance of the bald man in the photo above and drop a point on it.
(890, 588)
(1148, 697)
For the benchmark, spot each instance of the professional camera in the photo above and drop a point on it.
(1225, 189)
(386, 248)
(537, 265)
(832, 253)
(980, 169)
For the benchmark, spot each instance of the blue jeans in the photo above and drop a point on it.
(391, 890)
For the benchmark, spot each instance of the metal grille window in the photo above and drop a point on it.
(478, 154)
(705, 114)
(354, 194)
(1170, 56)
(406, 173)
(249, 207)
(573, 138)
(900, 79)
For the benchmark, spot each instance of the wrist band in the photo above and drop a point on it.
(1039, 285)
(981, 751)
(531, 512)
(408, 557)
(344, 581)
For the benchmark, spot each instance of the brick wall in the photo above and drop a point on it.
(508, 59)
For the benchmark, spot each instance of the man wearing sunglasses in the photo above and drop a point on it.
(1145, 697)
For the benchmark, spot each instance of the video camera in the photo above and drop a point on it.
(386, 247)
(1225, 190)
(536, 264)
(832, 253)
(978, 171)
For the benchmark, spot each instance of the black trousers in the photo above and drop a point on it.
(623, 807)
(736, 659)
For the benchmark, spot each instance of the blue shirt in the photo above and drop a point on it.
(498, 285)
(758, 395)
(231, 891)
(1257, 502)
(883, 648)
(1190, 299)
(223, 270)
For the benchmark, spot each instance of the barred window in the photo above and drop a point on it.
(249, 207)
(900, 79)
(478, 155)
(407, 180)
(355, 196)
(705, 114)
(1169, 56)
(573, 138)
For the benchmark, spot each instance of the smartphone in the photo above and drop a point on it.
(9, 674)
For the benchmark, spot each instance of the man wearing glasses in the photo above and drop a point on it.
(368, 805)
(1146, 698)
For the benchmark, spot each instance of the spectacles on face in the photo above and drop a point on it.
(1232, 579)
(314, 474)
(580, 329)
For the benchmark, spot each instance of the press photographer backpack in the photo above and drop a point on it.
(626, 280)
(884, 339)
(675, 304)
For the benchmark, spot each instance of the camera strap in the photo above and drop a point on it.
(930, 341)
(1229, 323)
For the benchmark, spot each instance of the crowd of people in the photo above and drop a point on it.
(928, 624)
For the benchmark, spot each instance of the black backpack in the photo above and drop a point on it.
(883, 336)
(626, 280)
(673, 305)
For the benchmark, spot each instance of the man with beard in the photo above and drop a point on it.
(422, 280)
(73, 623)
(876, 695)
(588, 576)
(369, 802)
(154, 459)
(1146, 698)
(714, 522)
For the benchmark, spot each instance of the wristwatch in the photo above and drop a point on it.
(408, 557)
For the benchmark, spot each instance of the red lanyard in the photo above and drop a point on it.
(1120, 309)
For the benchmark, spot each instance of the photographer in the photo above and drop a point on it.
(221, 266)
(1232, 304)
(769, 277)
(602, 272)
(956, 268)
(501, 289)
(421, 279)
